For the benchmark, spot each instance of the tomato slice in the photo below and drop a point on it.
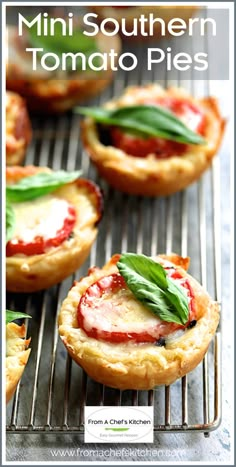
(39, 245)
(188, 112)
(109, 311)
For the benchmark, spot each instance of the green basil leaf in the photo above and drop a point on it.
(77, 42)
(41, 184)
(145, 120)
(10, 221)
(149, 283)
(58, 44)
(13, 315)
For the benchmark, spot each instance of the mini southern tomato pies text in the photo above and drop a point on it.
(120, 342)
(56, 92)
(149, 165)
(17, 354)
(128, 19)
(50, 235)
(18, 128)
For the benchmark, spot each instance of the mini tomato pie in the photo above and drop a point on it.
(51, 220)
(56, 87)
(152, 141)
(18, 128)
(17, 354)
(138, 322)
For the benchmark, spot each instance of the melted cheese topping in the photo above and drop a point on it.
(120, 312)
(191, 119)
(41, 217)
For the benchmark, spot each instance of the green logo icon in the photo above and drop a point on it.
(117, 429)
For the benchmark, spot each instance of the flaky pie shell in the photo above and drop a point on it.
(17, 354)
(137, 366)
(50, 93)
(150, 176)
(37, 272)
(18, 129)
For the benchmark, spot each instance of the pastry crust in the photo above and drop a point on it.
(137, 366)
(18, 129)
(45, 93)
(37, 272)
(150, 176)
(129, 14)
(17, 354)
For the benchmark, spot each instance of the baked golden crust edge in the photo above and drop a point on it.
(18, 129)
(16, 356)
(38, 272)
(57, 95)
(130, 366)
(150, 176)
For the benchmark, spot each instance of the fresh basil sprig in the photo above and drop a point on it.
(10, 221)
(148, 281)
(59, 44)
(41, 184)
(146, 121)
(13, 315)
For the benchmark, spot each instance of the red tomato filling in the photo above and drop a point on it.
(91, 303)
(135, 146)
(39, 245)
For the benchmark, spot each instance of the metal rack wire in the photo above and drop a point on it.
(54, 390)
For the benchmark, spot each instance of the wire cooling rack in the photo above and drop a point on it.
(54, 390)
